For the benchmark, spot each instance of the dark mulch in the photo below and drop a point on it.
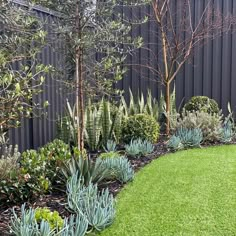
(56, 201)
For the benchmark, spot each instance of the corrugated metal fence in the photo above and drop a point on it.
(211, 72)
(39, 130)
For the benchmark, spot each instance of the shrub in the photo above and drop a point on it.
(52, 218)
(202, 103)
(97, 207)
(140, 126)
(210, 124)
(139, 148)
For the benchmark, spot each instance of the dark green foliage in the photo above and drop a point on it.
(202, 103)
(35, 173)
(140, 126)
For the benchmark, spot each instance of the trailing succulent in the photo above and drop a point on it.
(42, 222)
(202, 103)
(97, 207)
(140, 126)
(139, 147)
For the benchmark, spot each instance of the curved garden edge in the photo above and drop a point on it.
(184, 201)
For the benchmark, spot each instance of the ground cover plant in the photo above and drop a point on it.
(186, 193)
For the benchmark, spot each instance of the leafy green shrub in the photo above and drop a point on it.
(190, 137)
(210, 124)
(174, 143)
(140, 126)
(52, 218)
(97, 207)
(139, 148)
(119, 168)
(202, 103)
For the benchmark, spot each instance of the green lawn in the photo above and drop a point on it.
(186, 193)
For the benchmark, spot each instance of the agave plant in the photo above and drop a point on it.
(190, 137)
(139, 147)
(98, 208)
(227, 132)
(174, 143)
(90, 171)
(111, 146)
(119, 168)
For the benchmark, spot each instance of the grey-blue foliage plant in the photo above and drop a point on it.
(97, 207)
(190, 137)
(26, 225)
(174, 143)
(118, 167)
(227, 133)
(139, 147)
(110, 146)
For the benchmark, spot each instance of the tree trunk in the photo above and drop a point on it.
(81, 100)
(168, 109)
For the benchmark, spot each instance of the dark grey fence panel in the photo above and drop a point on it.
(39, 130)
(210, 72)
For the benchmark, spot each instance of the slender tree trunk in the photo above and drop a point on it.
(77, 99)
(79, 85)
(81, 100)
(167, 108)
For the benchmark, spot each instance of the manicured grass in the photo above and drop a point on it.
(188, 193)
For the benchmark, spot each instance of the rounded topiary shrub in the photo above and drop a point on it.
(140, 126)
(202, 103)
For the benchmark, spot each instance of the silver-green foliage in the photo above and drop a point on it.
(190, 137)
(174, 143)
(27, 225)
(139, 147)
(210, 124)
(119, 168)
(97, 207)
